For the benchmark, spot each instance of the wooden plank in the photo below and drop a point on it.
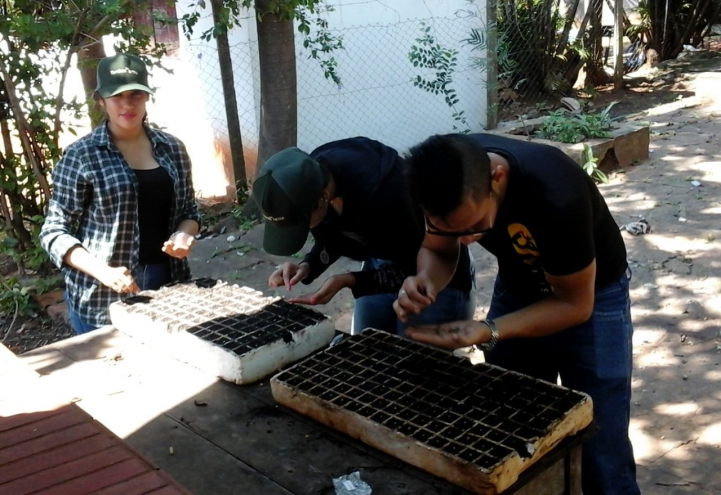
(45, 460)
(96, 480)
(10, 422)
(573, 471)
(46, 442)
(139, 485)
(28, 431)
(550, 481)
(569, 448)
(65, 472)
(166, 490)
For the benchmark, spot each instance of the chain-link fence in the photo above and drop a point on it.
(380, 93)
(383, 95)
(545, 47)
(400, 82)
(204, 57)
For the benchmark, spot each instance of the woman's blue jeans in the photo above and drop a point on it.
(596, 358)
(149, 277)
(377, 311)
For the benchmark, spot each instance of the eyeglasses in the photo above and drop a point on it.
(433, 230)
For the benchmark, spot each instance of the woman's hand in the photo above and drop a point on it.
(328, 291)
(288, 274)
(179, 245)
(119, 279)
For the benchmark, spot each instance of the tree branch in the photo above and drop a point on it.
(102, 22)
(23, 129)
(695, 16)
(74, 46)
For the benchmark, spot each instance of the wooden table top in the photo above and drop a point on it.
(213, 437)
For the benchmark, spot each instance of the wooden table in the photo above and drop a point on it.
(55, 448)
(221, 439)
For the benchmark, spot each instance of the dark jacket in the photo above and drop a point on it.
(378, 221)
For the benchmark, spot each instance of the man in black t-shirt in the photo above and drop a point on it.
(351, 195)
(560, 305)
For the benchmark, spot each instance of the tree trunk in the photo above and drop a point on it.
(235, 138)
(278, 86)
(24, 133)
(88, 58)
(618, 46)
(595, 73)
(10, 210)
(699, 8)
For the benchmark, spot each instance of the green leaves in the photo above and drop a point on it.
(442, 61)
(16, 299)
(589, 165)
(320, 41)
(559, 126)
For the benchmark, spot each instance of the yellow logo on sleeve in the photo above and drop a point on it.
(523, 243)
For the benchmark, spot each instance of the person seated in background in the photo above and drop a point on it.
(351, 195)
(122, 216)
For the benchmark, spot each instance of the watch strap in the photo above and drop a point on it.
(491, 344)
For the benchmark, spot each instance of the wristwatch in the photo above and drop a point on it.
(488, 346)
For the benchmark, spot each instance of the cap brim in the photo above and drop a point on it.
(112, 91)
(285, 240)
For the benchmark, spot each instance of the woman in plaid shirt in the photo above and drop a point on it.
(123, 216)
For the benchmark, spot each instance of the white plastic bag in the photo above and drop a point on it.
(351, 484)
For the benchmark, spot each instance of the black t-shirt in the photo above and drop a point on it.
(553, 219)
(155, 195)
(378, 218)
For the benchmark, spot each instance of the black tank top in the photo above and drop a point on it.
(155, 196)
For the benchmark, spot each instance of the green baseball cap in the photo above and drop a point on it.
(287, 189)
(120, 73)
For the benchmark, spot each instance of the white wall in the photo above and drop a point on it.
(189, 103)
(376, 98)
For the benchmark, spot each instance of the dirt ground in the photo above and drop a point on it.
(676, 287)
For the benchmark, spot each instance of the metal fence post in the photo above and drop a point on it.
(235, 139)
(492, 65)
(618, 45)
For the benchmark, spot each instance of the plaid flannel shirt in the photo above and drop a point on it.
(94, 204)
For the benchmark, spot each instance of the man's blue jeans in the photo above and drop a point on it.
(149, 277)
(377, 311)
(596, 358)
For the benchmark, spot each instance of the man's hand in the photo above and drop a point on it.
(329, 289)
(288, 274)
(416, 294)
(179, 245)
(119, 279)
(451, 335)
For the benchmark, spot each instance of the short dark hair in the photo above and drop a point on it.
(444, 170)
